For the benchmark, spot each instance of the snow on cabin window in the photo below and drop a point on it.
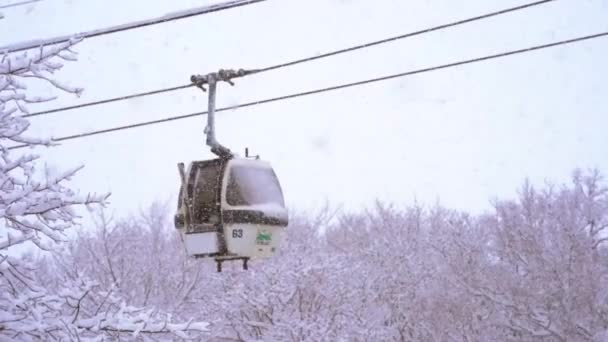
(253, 186)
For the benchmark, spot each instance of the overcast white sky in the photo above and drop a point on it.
(462, 135)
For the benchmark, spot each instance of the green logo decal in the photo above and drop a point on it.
(263, 238)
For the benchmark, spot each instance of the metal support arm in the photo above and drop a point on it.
(216, 147)
(212, 79)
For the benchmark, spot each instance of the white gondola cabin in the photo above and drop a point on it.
(229, 208)
(236, 209)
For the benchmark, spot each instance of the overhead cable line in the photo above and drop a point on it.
(18, 4)
(129, 26)
(303, 60)
(408, 35)
(110, 100)
(327, 89)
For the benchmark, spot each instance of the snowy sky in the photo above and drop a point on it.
(461, 136)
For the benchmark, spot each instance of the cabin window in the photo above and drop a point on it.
(207, 193)
(253, 186)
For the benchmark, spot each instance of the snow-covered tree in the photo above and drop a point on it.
(539, 263)
(36, 209)
(144, 256)
(300, 295)
(551, 253)
(533, 269)
(141, 257)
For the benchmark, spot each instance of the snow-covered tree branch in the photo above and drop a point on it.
(36, 208)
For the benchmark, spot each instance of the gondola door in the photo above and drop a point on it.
(205, 236)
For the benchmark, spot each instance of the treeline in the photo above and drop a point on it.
(533, 269)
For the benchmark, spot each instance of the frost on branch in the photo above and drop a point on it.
(36, 209)
(79, 309)
(35, 206)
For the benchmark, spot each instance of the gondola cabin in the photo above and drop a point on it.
(230, 208)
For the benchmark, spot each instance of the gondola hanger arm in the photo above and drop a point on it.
(211, 79)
